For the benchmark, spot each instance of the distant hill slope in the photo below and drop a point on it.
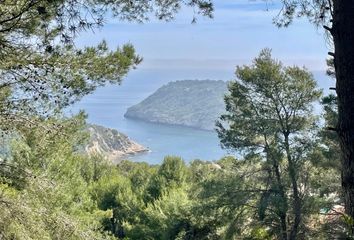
(192, 103)
(111, 143)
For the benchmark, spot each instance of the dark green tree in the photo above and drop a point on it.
(269, 115)
(337, 18)
(171, 174)
(41, 70)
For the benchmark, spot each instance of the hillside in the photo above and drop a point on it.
(191, 103)
(111, 143)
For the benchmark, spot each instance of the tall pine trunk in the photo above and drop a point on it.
(343, 37)
(282, 208)
(297, 205)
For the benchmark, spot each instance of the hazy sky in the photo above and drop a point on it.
(236, 34)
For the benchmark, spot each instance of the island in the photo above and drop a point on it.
(191, 103)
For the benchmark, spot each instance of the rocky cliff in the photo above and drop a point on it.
(111, 143)
(191, 103)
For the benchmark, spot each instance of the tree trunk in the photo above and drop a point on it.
(282, 205)
(297, 205)
(343, 37)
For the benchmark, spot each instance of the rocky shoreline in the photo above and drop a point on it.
(112, 144)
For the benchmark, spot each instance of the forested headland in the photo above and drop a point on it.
(191, 103)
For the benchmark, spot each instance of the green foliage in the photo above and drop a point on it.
(267, 98)
(67, 195)
(42, 71)
(171, 174)
(317, 12)
(54, 202)
(47, 189)
(329, 137)
(270, 118)
(192, 103)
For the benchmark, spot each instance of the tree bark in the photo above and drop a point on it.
(343, 38)
(297, 205)
(283, 206)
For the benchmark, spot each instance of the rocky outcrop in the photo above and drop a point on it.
(191, 103)
(111, 143)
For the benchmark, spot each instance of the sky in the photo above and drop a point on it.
(236, 34)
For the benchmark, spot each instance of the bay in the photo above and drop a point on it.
(107, 105)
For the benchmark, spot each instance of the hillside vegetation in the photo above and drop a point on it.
(285, 184)
(192, 103)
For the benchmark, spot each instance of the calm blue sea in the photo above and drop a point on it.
(107, 105)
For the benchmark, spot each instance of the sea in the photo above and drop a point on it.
(107, 105)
